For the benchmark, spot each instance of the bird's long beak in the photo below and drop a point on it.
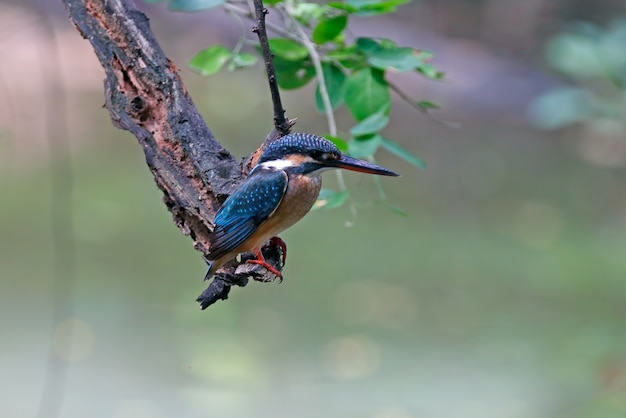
(361, 166)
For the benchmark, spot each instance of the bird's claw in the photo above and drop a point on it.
(269, 268)
(275, 251)
(278, 242)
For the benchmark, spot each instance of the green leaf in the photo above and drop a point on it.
(339, 142)
(367, 7)
(348, 52)
(194, 5)
(349, 57)
(242, 60)
(335, 80)
(210, 60)
(342, 6)
(365, 3)
(306, 12)
(388, 43)
(430, 72)
(426, 105)
(364, 146)
(293, 74)
(288, 49)
(372, 124)
(398, 59)
(330, 199)
(385, 54)
(294, 80)
(395, 209)
(375, 7)
(368, 45)
(329, 28)
(425, 54)
(333, 201)
(399, 151)
(325, 193)
(272, 2)
(366, 93)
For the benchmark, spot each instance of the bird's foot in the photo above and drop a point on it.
(260, 260)
(269, 268)
(277, 242)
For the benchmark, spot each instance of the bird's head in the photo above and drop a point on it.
(304, 153)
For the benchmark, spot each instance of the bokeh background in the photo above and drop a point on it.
(502, 294)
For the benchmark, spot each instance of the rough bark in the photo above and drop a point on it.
(145, 95)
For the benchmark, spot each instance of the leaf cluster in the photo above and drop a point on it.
(315, 44)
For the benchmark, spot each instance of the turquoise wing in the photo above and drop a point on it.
(245, 210)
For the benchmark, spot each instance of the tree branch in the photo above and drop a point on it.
(280, 122)
(145, 96)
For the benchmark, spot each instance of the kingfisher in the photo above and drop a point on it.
(280, 189)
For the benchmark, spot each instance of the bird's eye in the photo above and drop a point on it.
(328, 156)
(323, 156)
(317, 155)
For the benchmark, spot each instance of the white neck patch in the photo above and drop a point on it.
(277, 164)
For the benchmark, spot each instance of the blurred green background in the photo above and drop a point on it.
(501, 295)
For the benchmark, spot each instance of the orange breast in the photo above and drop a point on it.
(300, 196)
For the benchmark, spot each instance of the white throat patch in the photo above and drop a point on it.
(277, 164)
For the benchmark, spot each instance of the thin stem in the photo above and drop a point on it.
(280, 122)
(242, 37)
(379, 187)
(328, 109)
(250, 4)
(404, 96)
(416, 105)
(250, 15)
(319, 73)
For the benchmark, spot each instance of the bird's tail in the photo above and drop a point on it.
(210, 271)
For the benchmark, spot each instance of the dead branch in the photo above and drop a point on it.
(145, 96)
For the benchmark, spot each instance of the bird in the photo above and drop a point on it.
(279, 190)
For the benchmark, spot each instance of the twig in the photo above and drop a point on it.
(319, 73)
(280, 122)
(415, 104)
(242, 37)
(250, 15)
(328, 109)
(405, 97)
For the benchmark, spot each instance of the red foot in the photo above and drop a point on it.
(277, 242)
(260, 260)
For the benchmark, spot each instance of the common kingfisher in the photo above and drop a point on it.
(280, 189)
